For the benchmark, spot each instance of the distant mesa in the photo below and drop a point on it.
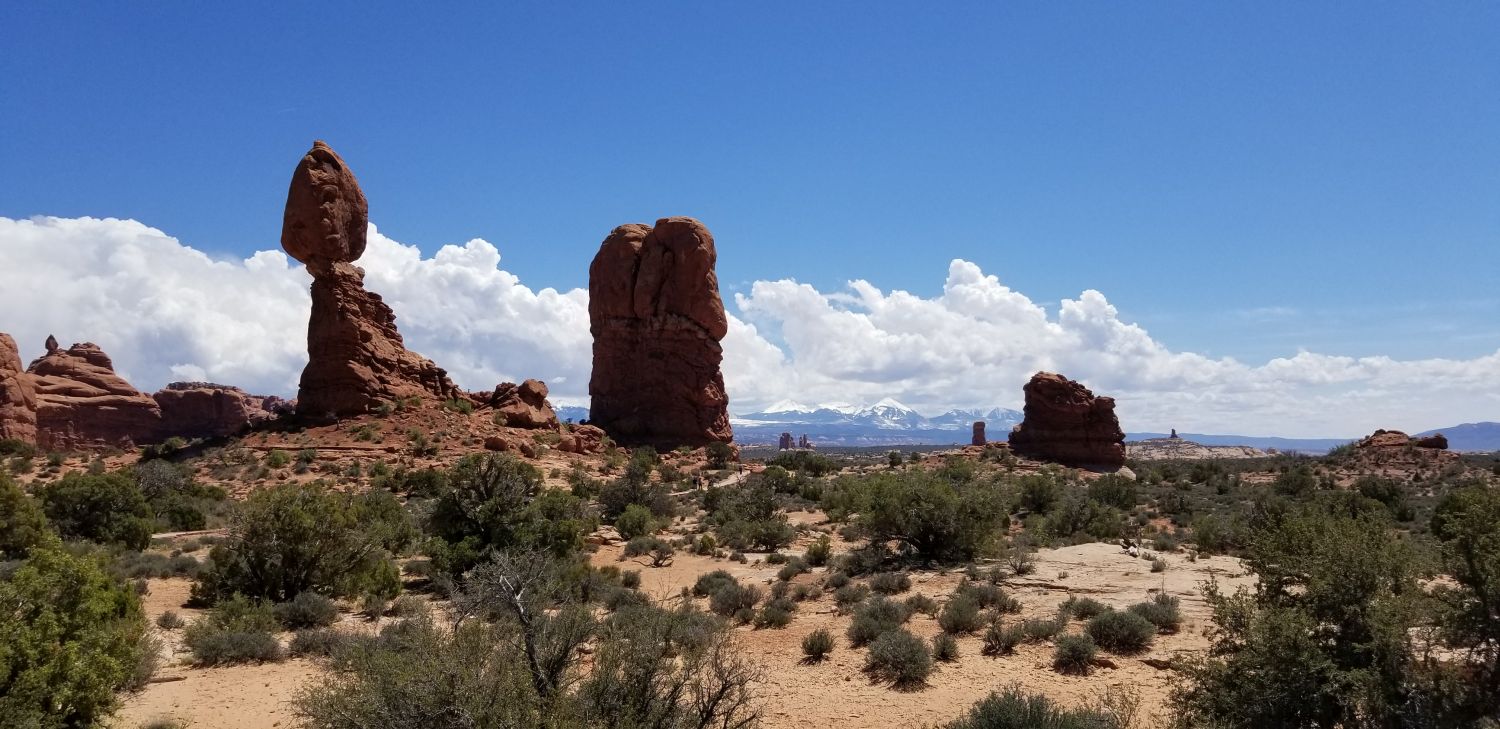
(356, 359)
(977, 437)
(1065, 423)
(657, 321)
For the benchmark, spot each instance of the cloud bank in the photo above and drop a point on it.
(165, 311)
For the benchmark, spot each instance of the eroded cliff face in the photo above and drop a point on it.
(81, 403)
(1065, 423)
(356, 358)
(657, 321)
(17, 396)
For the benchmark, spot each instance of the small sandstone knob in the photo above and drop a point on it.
(326, 213)
(52, 345)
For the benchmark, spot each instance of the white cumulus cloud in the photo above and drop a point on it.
(165, 311)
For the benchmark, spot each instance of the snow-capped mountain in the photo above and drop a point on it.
(888, 422)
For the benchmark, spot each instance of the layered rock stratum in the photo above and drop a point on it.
(657, 321)
(82, 403)
(17, 396)
(1065, 423)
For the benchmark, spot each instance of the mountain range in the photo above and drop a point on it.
(889, 422)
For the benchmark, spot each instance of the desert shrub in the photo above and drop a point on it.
(960, 615)
(805, 462)
(71, 636)
(170, 620)
(631, 579)
(1121, 632)
(988, 596)
(730, 599)
(776, 613)
(1161, 611)
(236, 630)
(944, 647)
(719, 454)
(658, 551)
(373, 605)
(875, 617)
(22, 523)
(1113, 490)
(819, 551)
(747, 517)
(793, 567)
(1013, 708)
(417, 482)
(899, 657)
(1036, 630)
(706, 546)
(1082, 608)
(16, 447)
(922, 604)
(496, 502)
(635, 486)
(890, 583)
(817, 645)
(929, 515)
(153, 564)
(307, 610)
(179, 502)
(850, 595)
(1074, 654)
(635, 521)
(1039, 493)
(292, 538)
(277, 458)
(1001, 640)
(1158, 565)
(710, 583)
(319, 642)
(1467, 524)
(106, 508)
(625, 597)
(835, 580)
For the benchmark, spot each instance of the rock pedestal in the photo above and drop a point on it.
(356, 359)
(1065, 423)
(657, 320)
(978, 437)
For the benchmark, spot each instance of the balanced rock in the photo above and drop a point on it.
(356, 358)
(82, 403)
(524, 405)
(978, 437)
(1065, 423)
(17, 396)
(208, 410)
(657, 320)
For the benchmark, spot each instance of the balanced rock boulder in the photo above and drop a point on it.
(208, 410)
(1065, 423)
(524, 405)
(356, 358)
(81, 402)
(657, 320)
(17, 396)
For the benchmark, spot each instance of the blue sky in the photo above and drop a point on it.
(1240, 179)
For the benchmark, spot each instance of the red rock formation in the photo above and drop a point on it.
(581, 439)
(1066, 424)
(524, 405)
(356, 359)
(657, 320)
(17, 396)
(82, 403)
(207, 410)
(1397, 439)
(978, 437)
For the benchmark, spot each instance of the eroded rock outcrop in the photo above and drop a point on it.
(208, 410)
(82, 403)
(17, 396)
(1065, 423)
(356, 358)
(657, 320)
(978, 437)
(524, 405)
(1398, 439)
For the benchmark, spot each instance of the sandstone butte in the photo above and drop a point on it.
(657, 321)
(356, 359)
(1065, 423)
